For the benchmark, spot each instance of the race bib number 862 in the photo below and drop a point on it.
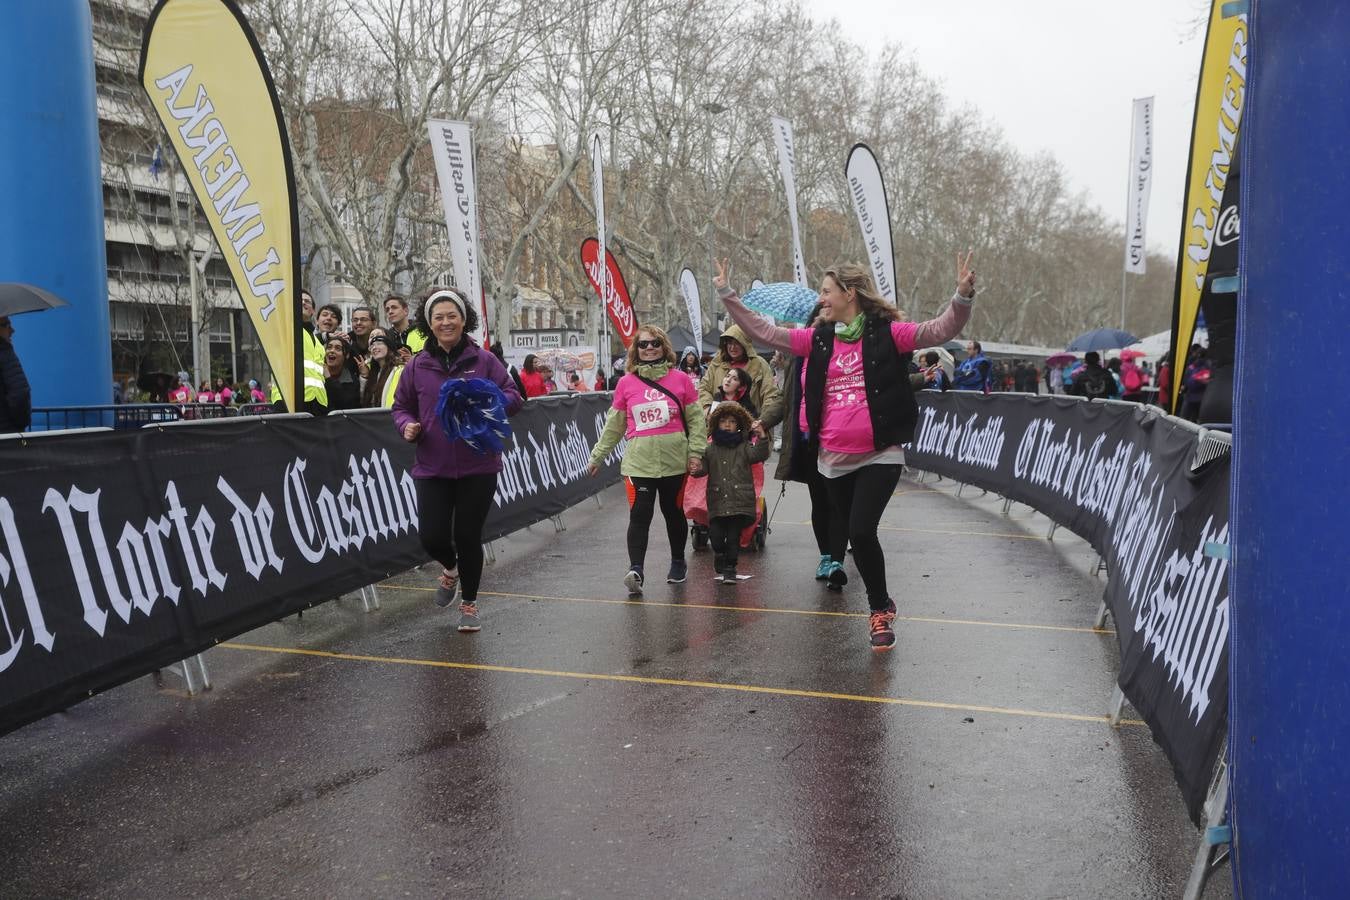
(647, 416)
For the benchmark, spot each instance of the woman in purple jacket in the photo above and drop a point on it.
(455, 483)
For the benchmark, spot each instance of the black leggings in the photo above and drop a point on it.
(820, 514)
(857, 501)
(724, 533)
(451, 513)
(645, 494)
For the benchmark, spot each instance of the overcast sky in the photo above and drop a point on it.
(1059, 75)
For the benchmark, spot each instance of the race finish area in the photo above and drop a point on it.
(705, 739)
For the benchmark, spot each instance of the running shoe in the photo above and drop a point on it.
(729, 575)
(823, 570)
(468, 618)
(883, 635)
(836, 576)
(633, 581)
(448, 590)
(679, 572)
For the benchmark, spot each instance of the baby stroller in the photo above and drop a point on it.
(753, 537)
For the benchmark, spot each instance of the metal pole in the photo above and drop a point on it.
(1124, 276)
(201, 362)
(234, 351)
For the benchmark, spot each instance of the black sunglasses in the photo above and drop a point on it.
(648, 345)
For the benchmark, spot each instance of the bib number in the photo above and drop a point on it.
(647, 416)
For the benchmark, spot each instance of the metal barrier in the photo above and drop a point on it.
(23, 437)
(1212, 445)
(121, 416)
(257, 409)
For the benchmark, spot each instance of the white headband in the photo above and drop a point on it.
(447, 295)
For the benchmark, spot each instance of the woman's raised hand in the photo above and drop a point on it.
(720, 279)
(965, 275)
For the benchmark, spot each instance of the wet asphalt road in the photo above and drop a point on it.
(706, 741)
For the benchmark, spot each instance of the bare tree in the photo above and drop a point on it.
(358, 82)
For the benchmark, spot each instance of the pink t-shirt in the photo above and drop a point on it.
(651, 412)
(845, 423)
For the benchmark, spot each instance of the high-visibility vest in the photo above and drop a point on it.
(314, 369)
(414, 340)
(387, 398)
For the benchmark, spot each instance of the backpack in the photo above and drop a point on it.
(1132, 378)
(1096, 382)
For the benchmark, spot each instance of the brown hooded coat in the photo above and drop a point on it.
(765, 396)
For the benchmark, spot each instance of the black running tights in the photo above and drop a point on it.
(857, 501)
(451, 513)
(646, 491)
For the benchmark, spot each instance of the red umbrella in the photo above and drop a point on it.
(1060, 359)
(1126, 355)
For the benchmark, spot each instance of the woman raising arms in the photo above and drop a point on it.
(859, 406)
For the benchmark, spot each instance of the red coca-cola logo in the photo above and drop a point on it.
(615, 297)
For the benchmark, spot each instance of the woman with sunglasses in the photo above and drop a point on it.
(656, 408)
(859, 407)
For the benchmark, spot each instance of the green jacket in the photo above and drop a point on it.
(731, 486)
(655, 456)
(765, 396)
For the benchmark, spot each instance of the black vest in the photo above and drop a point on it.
(890, 399)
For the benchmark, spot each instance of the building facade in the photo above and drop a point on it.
(160, 251)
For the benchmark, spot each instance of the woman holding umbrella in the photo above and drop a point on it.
(1133, 379)
(1054, 371)
(16, 400)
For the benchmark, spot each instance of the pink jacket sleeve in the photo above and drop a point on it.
(796, 341)
(910, 336)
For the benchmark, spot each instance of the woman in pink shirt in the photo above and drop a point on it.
(858, 408)
(655, 409)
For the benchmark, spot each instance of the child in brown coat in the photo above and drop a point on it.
(734, 446)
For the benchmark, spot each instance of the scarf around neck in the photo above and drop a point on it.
(852, 332)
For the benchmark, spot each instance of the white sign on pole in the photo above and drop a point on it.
(868, 193)
(689, 290)
(1141, 185)
(782, 138)
(452, 148)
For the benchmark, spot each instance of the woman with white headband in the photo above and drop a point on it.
(456, 470)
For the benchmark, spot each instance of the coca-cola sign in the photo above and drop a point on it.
(615, 295)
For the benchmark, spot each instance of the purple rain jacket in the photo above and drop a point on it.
(415, 400)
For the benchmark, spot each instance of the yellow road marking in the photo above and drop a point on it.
(677, 682)
(999, 534)
(758, 609)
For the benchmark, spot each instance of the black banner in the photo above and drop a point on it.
(122, 552)
(1119, 475)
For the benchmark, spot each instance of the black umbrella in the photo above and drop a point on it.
(1101, 339)
(21, 298)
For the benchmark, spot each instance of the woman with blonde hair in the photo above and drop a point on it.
(858, 407)
(656, 408)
